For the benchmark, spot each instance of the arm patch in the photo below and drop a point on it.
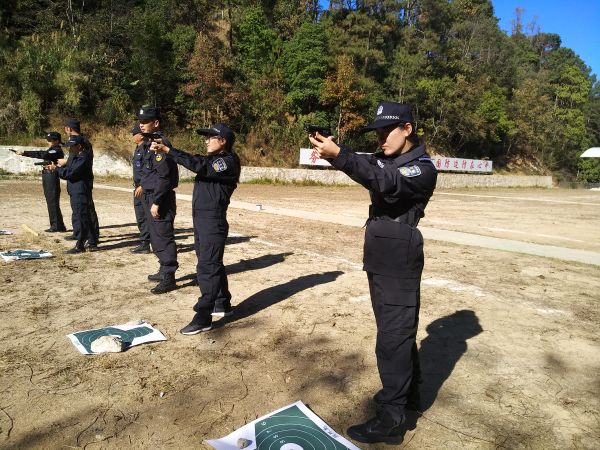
(219, 165)
(410, 171)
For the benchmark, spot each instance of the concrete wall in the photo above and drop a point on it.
(106, 165)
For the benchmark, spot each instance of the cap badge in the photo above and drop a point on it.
(380, 109)
(141, 111)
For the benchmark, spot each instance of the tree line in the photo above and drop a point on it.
(268, 68)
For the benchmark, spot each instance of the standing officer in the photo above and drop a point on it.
(400, 179)
(139, 197)
(78, 173)
(73, 128)
(160, 177)
(50, 180)
(217, 175)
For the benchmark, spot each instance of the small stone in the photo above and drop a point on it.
(135, 322)
(162, 394)
(107, 344)
(243, 442)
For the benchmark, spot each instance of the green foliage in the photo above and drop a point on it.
(255, 41)
(30, 110)
(589, 170)
(304, 62)
(268, 68)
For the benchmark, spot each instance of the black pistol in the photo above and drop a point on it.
(151, 136)
(49, 159)
(323, 131)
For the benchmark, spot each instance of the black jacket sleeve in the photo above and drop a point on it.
(38, 154)
(224, 167)
(389, 179)
(75, 169)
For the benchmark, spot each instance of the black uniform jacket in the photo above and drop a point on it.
(400, 187)
(160, 174)
(78, 173)
(54, 153)
(216, 179)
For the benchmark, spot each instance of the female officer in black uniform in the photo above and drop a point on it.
(400, 179)
(217, 175)
(50, 180)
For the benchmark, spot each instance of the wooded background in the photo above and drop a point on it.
(268, 68)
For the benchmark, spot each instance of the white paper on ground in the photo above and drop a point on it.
(293, 427)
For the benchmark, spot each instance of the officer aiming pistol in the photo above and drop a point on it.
(50, 180)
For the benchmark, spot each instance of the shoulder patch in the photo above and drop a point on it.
(219, 165)
(410, 171)
(158, 157)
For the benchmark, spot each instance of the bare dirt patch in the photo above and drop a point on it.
(509, 342)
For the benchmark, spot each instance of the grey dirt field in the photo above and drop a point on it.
(509, 336)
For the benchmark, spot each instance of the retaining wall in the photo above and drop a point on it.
(106, 165)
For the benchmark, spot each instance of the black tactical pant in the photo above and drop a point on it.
(210, 233)
(162, 232)
(140, 218)
(393, 259)
(95, 231)
(82, 225)
(397, 317)
(51, 185)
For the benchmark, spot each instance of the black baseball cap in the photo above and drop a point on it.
(390, 113)
(53, 136)
(148, 113)
(74, 140)
(218, 129)
(136, 129)
(73, 123)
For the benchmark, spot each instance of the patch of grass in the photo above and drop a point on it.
(4, 175)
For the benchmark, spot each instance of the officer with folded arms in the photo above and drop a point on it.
(139, 196)
(50, 179)
(160, 176)
(78, 172)
(401, 180)
(217, 175)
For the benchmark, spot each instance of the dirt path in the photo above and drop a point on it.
(508, 341)
(455, 237)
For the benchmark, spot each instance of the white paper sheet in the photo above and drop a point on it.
(130, 333)
(293, 427)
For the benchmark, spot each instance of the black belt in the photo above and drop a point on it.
(400, 219)
(409, 218)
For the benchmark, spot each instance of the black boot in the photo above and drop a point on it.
(156, 276)
(167, 284)
(197, 325)
(381, 428)
(144, 247)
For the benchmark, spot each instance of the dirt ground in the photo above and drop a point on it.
(509, 342)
